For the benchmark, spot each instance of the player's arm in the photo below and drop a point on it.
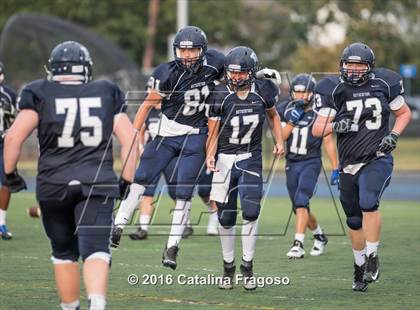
(26, 121)
(287, 130)
(211, 143)
(142, 139)
(330, 148)
(126, 135)
(402, 118)
(275, 124)
(152, 100)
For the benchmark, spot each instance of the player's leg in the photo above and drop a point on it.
(145, 211)
(373, 180)
(59, 224)
(191, 157)
(349, 197)
(250, 192)
(5, 234)
(156, 156)
(94, 219)
(204, 189)
(227, 214)
(145, 214)
(292, 182)
(171, 173)
(308, 179)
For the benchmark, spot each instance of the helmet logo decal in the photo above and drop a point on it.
(186, 44)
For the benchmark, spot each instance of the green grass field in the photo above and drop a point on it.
(26, 279)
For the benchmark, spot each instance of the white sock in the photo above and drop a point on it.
(144, 221)
(179, 221)
(249, 238)
(96, 302)
(317, 231)
(129, 205)
(2, 217)
(70, 305)
(300, 237)
(371, 247)
(227, 239)
(359, 257)
(213, 219)
(189, 221)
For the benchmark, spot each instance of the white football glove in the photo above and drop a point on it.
(269, 74)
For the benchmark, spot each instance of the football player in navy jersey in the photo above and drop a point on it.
(76, 185)
(7, 116)
(237, 112)
(356, 106)
(303, 165)
(181, 87)
(147, 134)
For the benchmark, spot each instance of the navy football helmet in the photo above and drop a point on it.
(70, 58)
(357, 53)
(303, 82)
(241, 59)
(190, 37)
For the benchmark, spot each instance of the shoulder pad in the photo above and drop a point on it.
(215, 59)
(390, 77)
(326, 85)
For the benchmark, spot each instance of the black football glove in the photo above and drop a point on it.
(342, 126)
(298, 112)
(388, 143)
(124, 188)
(15, 182)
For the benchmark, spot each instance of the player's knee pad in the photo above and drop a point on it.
(251, 214)
(295, 207)
(369, 202)
(227, 218)
(172, 191)
(59, 261)
(354, 222)
(184, 192)
(100, 255)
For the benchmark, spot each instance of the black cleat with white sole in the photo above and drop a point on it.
(249, 281)
(228, 275)
(169, 257)
(116, 236)
(359, 283)
(372, 268)
(140, 234)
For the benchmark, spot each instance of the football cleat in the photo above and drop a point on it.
(228, 274)
(188, 231)
(249, 281)
(116, 236)
(371, 273)
(169, 257)
(320, 241)
(296, 251)
(140, 234)
(359, 284)
(5, 233)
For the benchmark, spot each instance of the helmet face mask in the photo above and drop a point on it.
(302, 87)
(70, 58)
(188, 56)
(356, 64)
(187, 41)
(241, 65)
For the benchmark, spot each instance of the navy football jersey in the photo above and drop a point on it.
(74, 130)
(301, 144)
(241, 121)
(184, 93)
(369, 107)
(7, 108)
